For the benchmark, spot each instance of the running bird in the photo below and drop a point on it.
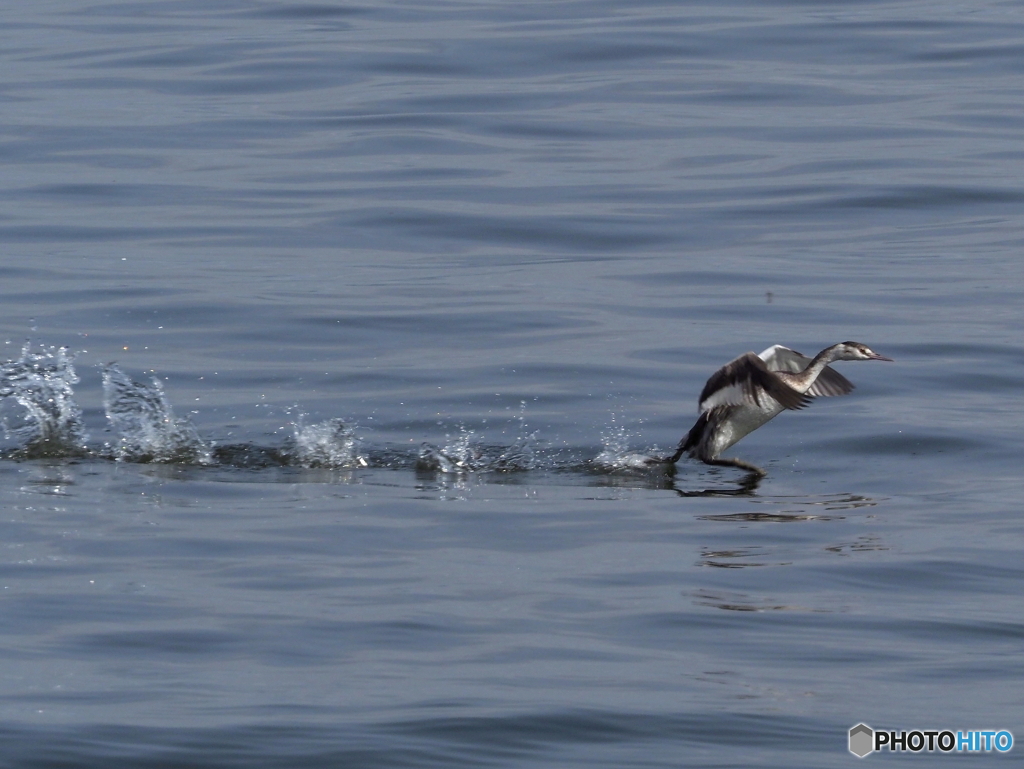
(753, 389)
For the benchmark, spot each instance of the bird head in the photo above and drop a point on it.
(857, 351)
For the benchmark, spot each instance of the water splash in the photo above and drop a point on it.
(521, 455)
(49, 421)
(146, 426)
(459, 455)
(331, 444)
(617, 456)
(38, 411)
(466, 453)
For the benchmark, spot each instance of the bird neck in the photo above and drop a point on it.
(815, 367)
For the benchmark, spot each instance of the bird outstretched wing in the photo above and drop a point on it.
(829, 381)
(745, 381)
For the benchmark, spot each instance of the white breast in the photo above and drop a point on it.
(740, 421)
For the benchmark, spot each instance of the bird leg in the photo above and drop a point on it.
(675, 457)
(726, 462)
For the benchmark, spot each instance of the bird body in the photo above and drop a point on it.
(751, 390)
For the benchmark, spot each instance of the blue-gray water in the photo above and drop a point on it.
(532, 228)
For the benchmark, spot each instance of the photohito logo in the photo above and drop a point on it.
(865, 740)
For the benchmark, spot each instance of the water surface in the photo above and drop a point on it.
(518, 236)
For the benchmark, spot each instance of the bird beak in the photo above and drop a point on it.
(876, 356)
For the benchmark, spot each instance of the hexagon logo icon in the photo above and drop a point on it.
(862, 740)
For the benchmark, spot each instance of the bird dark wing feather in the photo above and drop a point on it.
(743, 380)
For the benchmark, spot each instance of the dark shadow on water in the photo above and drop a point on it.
(745, 487)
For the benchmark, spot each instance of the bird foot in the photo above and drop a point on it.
(726, 462)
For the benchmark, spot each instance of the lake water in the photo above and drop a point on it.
(418, 281)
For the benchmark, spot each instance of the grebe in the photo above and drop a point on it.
(753, 389)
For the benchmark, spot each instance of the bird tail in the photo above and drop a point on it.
(692, 439)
